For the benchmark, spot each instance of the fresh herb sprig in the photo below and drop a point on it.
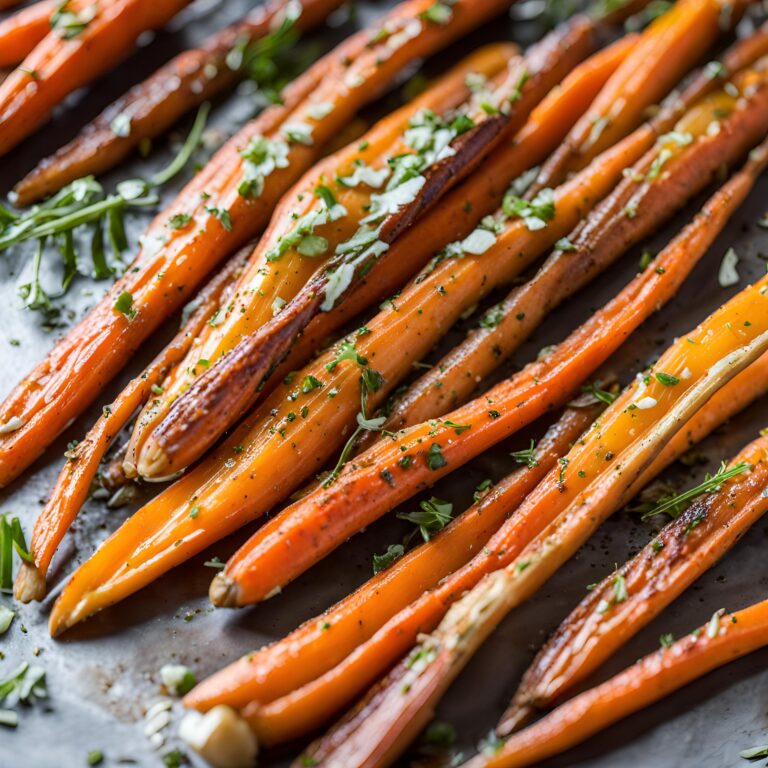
(11, 540)
(85, 203)
(675, 505)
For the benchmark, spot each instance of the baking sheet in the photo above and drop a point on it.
(103, 675)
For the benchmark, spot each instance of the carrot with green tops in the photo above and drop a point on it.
(565, 509)
(680, 164)
(317, 405)
(86, 39)
(672, 44)
(724, 638)
(20, 33)
(77, 474)
(309, 529)
(682, 551)
(546, 126)
(217, 220)
(276, 669)
(153, 106)
(432, 158)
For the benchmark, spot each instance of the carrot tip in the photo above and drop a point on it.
(30, 583)
(153, 461)
(223, 592)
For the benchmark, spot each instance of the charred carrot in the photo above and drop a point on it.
(672, 44)
(86, 39)
(651, 580)
(218, 220)
(332, 514)
(153, 106)
(222, 393)
(681, 164)
(724, 638)
(564, 510)
(20, 33)
(453, 219)
(257, 677)
(78, 474)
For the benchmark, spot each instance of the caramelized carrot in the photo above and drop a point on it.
(547, 125)
(154, 105)
(655, 577)
(91, 354)
(672, 44)
(680, 165)
(320, 643)
(20, 33)
(219, 395)
(276, 273)
(77, 475)
(87, 39)
(564, 510)
(312, 527)
(724, 638)
(279, 668)
(232, 492)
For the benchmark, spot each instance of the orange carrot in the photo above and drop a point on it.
(87, 39)
(20, 33)
(656, 576)
(452, 220)
(312, 527)
(90, 355)
(564, 510)
(724, 638)
(673, 43)
(219, 395)
(154, 105)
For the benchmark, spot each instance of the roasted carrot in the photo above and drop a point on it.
(219, 221)
(673, 43)
(20, 33)
(564, 510)
(79, 472)
(233, 494)
(312, 527)
(219, 395)
(153, 106)
(724, 638)
(260, 675)
(657, 575)
(681, 164)
(86, 40)
(320, 643)
(547, 125)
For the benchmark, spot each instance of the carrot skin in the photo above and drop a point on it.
(156, 104)
(655, 577)
(81, 365)
(20, 33)
(649, 680)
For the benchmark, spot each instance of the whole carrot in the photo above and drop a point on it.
(453, 219)
(20, 33)
(86, 40)
(724, 638)
(657, 575)
(564, 510)
(218, 220)
(151, 107)
(313, 526)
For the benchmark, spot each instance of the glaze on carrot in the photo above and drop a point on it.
(20, 33)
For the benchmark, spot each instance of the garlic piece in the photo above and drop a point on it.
(220, 736)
